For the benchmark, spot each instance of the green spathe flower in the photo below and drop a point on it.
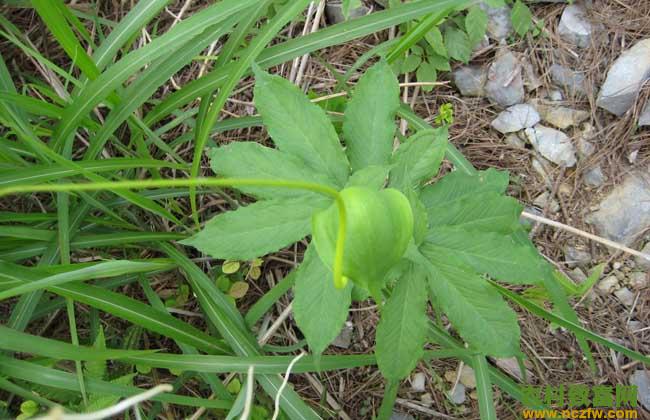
(379, 227)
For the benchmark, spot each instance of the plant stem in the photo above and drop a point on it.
(388, 402)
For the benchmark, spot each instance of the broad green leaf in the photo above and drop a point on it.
(522, 18)
(435, 39)
(299, 127)
(439, 62)
(371, 176)
(257, 229)
(252, 160)
(458, 44)
(458, 184)
(486, 212)
(426, 73)
(418, 159)
(479, 314)
(496, 254)
(319, 307)
(369, 121)
(476, 24)
(402, 330)
(381, 218)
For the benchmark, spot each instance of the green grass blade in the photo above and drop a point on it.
(484, 388)
(278, 54)
(17, 341)
(55, 378)
(571, 326)
(264, 304)
(97, 271)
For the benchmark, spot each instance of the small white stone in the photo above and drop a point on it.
(574, 26)
(418, 382)
(553, 144)
(458, 394)
(638, 280)
(467, 377)
(516, 118)
(608, 284)
(626, 296)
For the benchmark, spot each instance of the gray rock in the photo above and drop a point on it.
(554, 145)
(576, 257)
(513, 140)
(625, 212)
(531, 79)
(511, 366)
(458, 394)
(642, 262)
(516, 118)
(505, 85)
(499, 22)
(574, 26)
(417, 382)
(562, 117)
(625, 79)
(626, 296)
(641, 379)
(555, 95)
(467, 377)
(344, 339)
(544, 201)
(594, 177)
(583, 145)
(470, 80)
(607, 285)
(644, 118)
(638, 280)
(334, 12)
(574, 82)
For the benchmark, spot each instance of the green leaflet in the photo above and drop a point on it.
(319, 307)
(458, 44)
(369, 121)
(252, 160)
(479, 314)
(476, 23)
(418, 159)
(371, 176)
(381, 218)
(501, 256)
(257, 229)
(459, 184)
(402, 330)
(299, 127)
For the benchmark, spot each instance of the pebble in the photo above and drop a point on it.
(562, 117)
(607, 285)
(594, 177)
(467, 377)
(638, 280)
(642, 262)
(574, 82)
(458, 394)
(555, 95)
(513, 140)
(397, 415)
(418, 382)
(505, 85)
(499, 21)
(576, 257)
(574, 26)
(625, 212)
(542, 202)
(334, 12)
(626, 296)
(470, 80)
(641, 379)
(344, 339)
(516, 118)
(625, 78)
(644, 118)
(554, 145)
